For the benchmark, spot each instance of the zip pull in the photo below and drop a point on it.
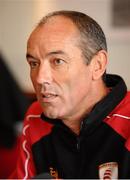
(79, 137)
(81, 125)
(78, 143)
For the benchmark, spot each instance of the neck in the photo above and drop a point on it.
(74, 122)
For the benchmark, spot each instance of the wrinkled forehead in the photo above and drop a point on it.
(56, 26)
(57, 34)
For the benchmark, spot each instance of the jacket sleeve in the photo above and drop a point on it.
(25, 168)
(33, 129)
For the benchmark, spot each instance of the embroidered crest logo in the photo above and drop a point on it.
(53, 173)
(108, 171)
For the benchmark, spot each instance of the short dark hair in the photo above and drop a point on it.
(92, 37)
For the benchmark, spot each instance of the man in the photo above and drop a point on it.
(80, 126)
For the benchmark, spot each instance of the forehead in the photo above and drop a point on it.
(57, 29)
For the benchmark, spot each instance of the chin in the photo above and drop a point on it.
(51, 115)
(52, 112)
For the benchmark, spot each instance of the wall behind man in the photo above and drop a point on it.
(19, 17)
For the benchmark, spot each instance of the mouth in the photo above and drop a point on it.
(48, 97)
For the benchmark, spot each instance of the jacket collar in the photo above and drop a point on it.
(107, 104)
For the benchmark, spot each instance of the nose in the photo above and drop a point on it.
(44, 74)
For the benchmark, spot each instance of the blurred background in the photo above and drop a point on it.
(17, 19)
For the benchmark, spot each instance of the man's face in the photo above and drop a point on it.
(60, 77)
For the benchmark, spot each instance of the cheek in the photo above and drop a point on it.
(34, 82)
(33, 76)
(71, 89)
(78, 86)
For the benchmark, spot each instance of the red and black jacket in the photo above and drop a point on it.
(102, 150)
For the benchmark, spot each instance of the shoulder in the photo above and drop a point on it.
(119, 119)
(123, 108)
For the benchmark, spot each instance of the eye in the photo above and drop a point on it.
(58, 61)
(33, 64)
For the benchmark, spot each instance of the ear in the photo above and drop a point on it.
(99, 63)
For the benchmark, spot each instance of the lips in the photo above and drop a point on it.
(48, 97)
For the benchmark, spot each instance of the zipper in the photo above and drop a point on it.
(79, 137)
(78, 143)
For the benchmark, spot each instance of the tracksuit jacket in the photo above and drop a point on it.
(100, 151)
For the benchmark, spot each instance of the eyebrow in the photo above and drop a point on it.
(28, 55)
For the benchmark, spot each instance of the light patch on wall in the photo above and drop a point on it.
(41, 8)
